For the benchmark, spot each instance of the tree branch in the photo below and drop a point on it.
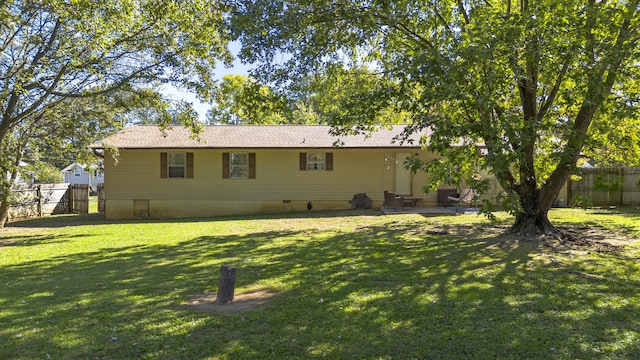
(546, 105)
(462, 11)
(405, 29)
(36, 104)
(49, 45)
(599, 86)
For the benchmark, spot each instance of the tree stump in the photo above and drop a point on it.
(226, 285)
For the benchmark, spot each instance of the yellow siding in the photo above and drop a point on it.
(418, 181)
(279, 185)
(431, 199)
(494, 186)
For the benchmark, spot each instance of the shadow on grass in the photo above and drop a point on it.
(57, 221)
(66, 220)
(621, 211)
(393, 291)
(33, 240)
(622, 219)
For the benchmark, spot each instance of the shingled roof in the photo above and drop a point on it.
(251, 136)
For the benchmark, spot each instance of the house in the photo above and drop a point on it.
(234, 170)
(82, 174)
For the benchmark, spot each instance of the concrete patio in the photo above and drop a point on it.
(449, 210)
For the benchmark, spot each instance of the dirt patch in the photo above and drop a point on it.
(594, 234)
(603, 246)
(588, 238)
(579, 238)
(246, 301)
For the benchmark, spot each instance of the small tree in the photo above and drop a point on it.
(43, 173)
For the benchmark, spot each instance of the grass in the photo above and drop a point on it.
(350, 285)
(93, 204)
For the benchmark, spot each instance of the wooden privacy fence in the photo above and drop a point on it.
(79, 198)
(608, 186)
(49, 199)
(101, 198)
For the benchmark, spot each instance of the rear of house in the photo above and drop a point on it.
(235, 170)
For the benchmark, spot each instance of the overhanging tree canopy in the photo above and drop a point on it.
(538, 82)
(56, 50)
(242, 100)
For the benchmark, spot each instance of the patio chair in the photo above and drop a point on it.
(391, 200)
(444, 195)
(466, 196)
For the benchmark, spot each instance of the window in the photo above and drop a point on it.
(238, 165)
(77, 172)
(176, 165)
(316, 161)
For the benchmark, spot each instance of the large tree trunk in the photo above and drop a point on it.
(4, 212)
(5, 191)
(535, 204)
(533, 223)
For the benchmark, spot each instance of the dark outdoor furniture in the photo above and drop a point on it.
(414, 201)
(360, 201)
(391, 200)
(444, 194)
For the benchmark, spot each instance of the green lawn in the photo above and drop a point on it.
(93, 204)
(350, 285)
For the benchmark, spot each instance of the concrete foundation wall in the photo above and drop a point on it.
(159, 209)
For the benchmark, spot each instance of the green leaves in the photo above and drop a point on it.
(351, 98)
(56, 50)
(242, 100)
(536, 82)
(63, 62)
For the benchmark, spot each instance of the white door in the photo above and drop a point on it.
(403, 175)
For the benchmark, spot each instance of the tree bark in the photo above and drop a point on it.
(4, 212)
(226, 285)
(534, 219)
(533, 224)
(5, 191)
(6, 186)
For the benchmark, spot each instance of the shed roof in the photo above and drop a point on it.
(75, 165)
(252, 136)
(72, 166)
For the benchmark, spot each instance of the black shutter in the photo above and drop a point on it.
(163, 165)
(328, 158)
(225, 165)
(190, 165)
(252, 165)
(303, 161)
